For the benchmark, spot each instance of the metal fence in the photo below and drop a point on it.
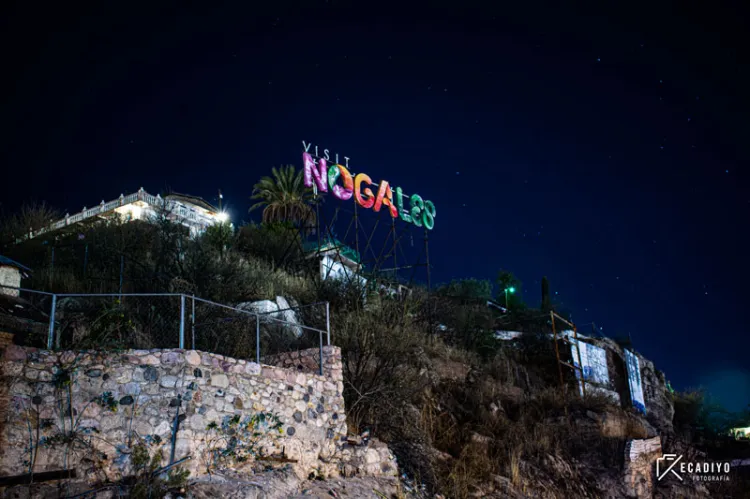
(161, 320)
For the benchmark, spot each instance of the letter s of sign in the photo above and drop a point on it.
(417, 206)
(342, 193)
(358, 191)
(428, 215)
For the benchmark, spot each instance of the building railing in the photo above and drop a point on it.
(166, 320)
(183, 212)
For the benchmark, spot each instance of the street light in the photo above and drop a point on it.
(510, 290)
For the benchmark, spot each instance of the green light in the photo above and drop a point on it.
(511, 290)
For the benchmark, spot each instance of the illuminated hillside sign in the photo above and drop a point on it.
(343, 185)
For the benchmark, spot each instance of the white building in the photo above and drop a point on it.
(337, 261)
(341, 262)
(190, 211)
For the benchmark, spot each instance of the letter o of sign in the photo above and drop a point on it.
(345, 192)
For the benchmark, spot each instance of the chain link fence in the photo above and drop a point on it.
(252, 333)
(222, 329)
(110, 321)
(166, 320)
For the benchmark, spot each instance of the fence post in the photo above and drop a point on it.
(85, 260)
(182, 321)
(52, 268)
(320, 337)
(257, 339)
(328, 322)
(51, 335)
(122, 268)
(193, 322)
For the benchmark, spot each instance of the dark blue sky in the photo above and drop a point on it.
(603, 148)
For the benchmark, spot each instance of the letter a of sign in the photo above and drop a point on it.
(385, 197)
(318, 173)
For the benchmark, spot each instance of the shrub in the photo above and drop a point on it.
(381, 353)
(278, 244)
(239, 439)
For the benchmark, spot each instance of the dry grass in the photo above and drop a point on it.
(514, 466)
(487, 428)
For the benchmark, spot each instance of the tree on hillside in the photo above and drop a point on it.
(700, 414)
(506, 280)
(467, 290)
(30, 217)
(220, 236)
(278, 243)
(546, 301)
(284, 197)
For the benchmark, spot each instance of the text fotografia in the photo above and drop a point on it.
(673, 465)
(322, 176)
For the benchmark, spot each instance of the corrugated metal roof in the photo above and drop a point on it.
(198, 201)
(329, 243)
(4, 260)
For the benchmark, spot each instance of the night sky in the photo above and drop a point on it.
(605, 148)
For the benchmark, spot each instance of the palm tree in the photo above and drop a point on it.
(284, 197)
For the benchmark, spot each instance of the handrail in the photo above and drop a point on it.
(52, 339)
(257, 314)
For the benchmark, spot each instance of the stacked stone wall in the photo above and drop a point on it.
(111, 400)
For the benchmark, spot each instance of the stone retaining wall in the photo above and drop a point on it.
(142, 393)
(640, 456)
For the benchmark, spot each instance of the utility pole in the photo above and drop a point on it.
(220, 198)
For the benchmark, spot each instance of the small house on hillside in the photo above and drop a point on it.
(11, 273)
(341, 262)
(337, 260)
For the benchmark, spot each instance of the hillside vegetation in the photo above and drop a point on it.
(467, 415)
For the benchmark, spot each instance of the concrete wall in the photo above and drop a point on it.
(146, 390)
(10, 276)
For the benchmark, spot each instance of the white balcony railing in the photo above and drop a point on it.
(181, 213)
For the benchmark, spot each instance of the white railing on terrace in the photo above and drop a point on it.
(183, 213)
